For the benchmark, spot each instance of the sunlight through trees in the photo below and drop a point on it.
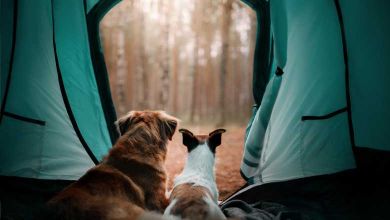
(191, 58)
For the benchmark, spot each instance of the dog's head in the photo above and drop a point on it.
(152, 125)
(213, 139)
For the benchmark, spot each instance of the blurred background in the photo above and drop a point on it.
(191, 58)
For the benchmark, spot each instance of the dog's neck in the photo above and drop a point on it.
(145, 168)
(130, 156)
(141, 142)
(139, 146)
(199, 169)
(139, 134)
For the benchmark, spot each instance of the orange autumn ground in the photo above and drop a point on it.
(228, 158)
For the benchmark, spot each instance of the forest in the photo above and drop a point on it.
(190, 58)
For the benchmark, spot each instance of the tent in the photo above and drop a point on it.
(329, 97)
(56, 118)
(49, 92)
(317, 142)
(320, 83)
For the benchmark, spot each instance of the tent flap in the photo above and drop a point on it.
(53, 113)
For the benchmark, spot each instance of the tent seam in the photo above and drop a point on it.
(24, 119)
(99, 66)
(347, 75)
(11, 62)
(65, 97)
(262, 51)
(323, 117)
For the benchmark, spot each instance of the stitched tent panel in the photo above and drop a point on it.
(309, 49)
(79, 79)
(37, 136)
(53, 116)
(367, 26)
(90, 4)
(309, 131)
(6, 12)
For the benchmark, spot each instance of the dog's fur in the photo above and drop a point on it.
(195, 193)
(131, 178)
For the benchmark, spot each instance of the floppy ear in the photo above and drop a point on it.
(167, 124)
(123, 124)
(170, 127)
(189, 140)
(215, 139)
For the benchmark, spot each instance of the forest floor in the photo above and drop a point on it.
(228, 158)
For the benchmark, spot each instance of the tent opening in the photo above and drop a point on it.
(193, 59)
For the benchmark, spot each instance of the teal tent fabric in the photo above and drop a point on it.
(367, 27)
(7, 22)
(262, 49)
(308, 131)
(56, 118)
(89, 4)
(313, 85)
(52, 123)
(94, 16)
(77, 71)
(256, 134)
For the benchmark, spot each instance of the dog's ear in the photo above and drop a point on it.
(123, 124)
(189, 140)
(215, 139)
(168, 124)
(170, 128)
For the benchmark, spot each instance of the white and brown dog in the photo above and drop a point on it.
(195, 194)
(130, 179)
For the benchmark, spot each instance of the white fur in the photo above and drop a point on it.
(199, 169)
(169, 208)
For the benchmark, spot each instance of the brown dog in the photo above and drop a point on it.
(131, 178)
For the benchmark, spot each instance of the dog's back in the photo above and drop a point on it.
(117, 197)
(193, 202)
(195, 193)
(93, 209)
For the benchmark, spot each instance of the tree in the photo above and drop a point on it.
(165, 55)
(225, 36)
(183, 56)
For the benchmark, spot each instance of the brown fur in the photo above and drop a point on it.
(131, 177)
(190, 203)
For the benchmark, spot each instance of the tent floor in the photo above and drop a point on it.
(363, 193)
(356, 194)
(23, 198)
(338, 196)
(345, 195)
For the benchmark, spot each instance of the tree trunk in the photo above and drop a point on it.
(165, 56)
(142, 62)
(225, 33)
(194, 73)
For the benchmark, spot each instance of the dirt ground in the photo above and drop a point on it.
(228, 158)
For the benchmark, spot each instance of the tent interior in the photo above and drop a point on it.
(317, 145)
